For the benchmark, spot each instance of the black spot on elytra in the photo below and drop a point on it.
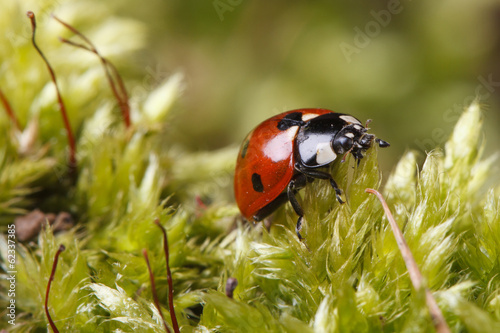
(292, 119)
(257, 183)
(244, 148)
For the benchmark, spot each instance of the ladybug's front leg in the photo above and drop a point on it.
(294, 185)
(313, 173)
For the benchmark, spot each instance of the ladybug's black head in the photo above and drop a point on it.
(354, 139)
(323, 138)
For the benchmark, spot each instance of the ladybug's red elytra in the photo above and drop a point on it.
(281, 154)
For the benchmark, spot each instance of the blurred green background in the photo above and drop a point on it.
(411, 66)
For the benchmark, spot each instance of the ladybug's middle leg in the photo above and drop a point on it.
(295, 184)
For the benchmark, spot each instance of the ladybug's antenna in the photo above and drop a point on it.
(382, 143)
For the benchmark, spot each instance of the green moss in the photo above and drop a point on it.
(347, 275)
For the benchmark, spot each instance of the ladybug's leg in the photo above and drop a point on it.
(321, 175)
(293, 186)
(270, 208)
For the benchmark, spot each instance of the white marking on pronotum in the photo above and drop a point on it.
(324, 153)
(358, 127)
(349, 135)
(309, 116)
(350, 119)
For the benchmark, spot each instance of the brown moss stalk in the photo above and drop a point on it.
(47, 291)
(9, 110)
(114, 78)
(169, 278)
(153, 290)
(413, 271)
(62, 107)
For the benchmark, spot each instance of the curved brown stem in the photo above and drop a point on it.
(62, 107)
(153, 290)
(47, 291)
(175, 325)
(9, 110)
(114, 78)
(413, 271)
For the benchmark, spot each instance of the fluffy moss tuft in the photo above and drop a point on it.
(347, 275)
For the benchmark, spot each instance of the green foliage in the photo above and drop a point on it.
(19, 178)
(347, 275)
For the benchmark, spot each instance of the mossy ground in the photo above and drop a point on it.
(346, 276)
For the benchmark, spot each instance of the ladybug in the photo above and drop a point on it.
(286, 151)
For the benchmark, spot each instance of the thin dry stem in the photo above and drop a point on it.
(47, 291)
(62, 107)
(175, 325)
(9, 110)
(153, 289)
(110, 70)
(415, 275)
